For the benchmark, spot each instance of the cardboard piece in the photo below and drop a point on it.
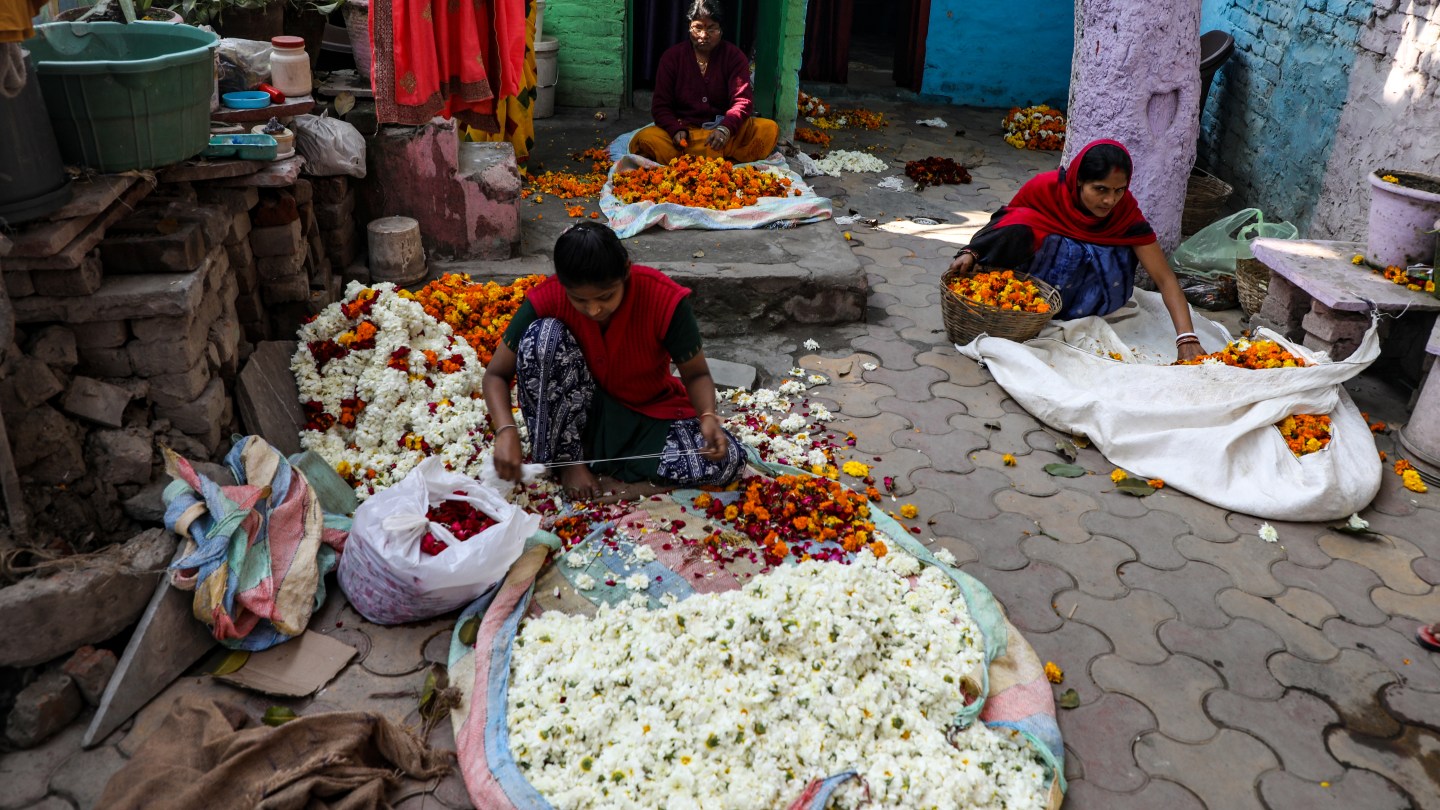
(297, 668)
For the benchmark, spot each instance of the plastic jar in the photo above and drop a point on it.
(290, 66)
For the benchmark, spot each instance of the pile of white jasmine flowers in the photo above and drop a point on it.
(844, 160)
(739, 699)
(412, 408)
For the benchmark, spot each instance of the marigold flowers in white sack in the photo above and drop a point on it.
(384, 385)
(739, 699)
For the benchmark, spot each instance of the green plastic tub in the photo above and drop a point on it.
(124, 97)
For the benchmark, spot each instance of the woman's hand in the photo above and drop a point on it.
(717, 444)
(508, 455)
(964, 260)
(1188, 350)
(681, 139)
(717, 139)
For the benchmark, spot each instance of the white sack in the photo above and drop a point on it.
(386, 576)
(330, 146)
(1205, 430)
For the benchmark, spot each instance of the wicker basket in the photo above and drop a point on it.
(965, 319)
(1252, 279)
(1205, 196)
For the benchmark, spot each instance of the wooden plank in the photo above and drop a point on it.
(47, 237)
(166, 642)
(280, 174)
(198, 170)
(92, 196)
(299, 105)
(1326, 272)
(268, 399)
(70, 257)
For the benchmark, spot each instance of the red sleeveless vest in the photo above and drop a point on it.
(628, 359)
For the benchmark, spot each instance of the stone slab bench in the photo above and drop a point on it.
(1319, 296)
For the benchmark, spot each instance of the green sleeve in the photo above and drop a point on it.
(524, 316)
(682, 339)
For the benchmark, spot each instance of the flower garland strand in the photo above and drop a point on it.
(1039, 127)
(477, 311)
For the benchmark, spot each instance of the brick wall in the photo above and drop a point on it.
(1317, 94)
(592, 50)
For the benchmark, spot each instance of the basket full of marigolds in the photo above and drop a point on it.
(995, 302)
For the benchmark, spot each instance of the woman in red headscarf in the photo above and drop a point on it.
(1079, 229)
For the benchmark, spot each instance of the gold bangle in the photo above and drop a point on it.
(501, 429)
(708, 413)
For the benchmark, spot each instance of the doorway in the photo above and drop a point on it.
(866, 44)
(655, 25)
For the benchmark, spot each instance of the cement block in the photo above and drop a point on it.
(154, 252)
(102, 335)
(330, 190)
(172, 356)
(233, 200)
(332, 216)
(1334, 326)
(240, 227)
(19, 283)
(275, 209)
(304, 191)
(341, 246)
(97, 401)
(82, 280)
(176, 389)
(122, 456)
(44, 434)
(200, 415)
(242, 266)
(125, 297)
(273, 269)
(286, 291)
(105, 362)
(55, 346)
(42, 709)
(280, 240)
(29, 383)
(249, 308)
(214, 221)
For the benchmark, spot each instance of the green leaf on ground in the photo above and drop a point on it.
(234, 661)
(278, 716)
(1069, 699)
(469, 630)
(1138, 487)
(1065, 470)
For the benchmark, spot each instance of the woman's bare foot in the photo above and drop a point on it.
(579, 482)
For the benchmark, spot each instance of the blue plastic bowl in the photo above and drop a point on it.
(246, 100)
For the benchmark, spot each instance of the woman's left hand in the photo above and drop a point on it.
(716, 442)
(1188, 351)
(717, 139)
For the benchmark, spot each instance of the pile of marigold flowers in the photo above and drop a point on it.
(565, 185)
(811, 106)
(477, 312)
(936, 171)
(700, 182)
(1039, 127)
(1410, 476)
(1398, 275)
(598, 156)
(815, 136)
(1001, 289)
(1303, 433)
(793, 514)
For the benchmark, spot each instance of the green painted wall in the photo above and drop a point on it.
(592, 50)
(792, 46)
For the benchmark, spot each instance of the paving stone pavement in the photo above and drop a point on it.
(1213, 669)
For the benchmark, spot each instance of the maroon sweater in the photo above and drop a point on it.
(684, 98)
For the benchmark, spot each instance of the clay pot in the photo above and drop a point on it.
(1401, 218)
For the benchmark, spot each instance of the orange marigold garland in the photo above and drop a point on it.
(477, 312)
(1000, 289)
(1039, 127)
(815, 136)
(700, 182)
(1304, 433)
(801, 515)
(566, 185)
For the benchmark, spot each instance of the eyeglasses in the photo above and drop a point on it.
(705, 29)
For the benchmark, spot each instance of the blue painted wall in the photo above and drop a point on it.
(1269, 126)
(1000, 54)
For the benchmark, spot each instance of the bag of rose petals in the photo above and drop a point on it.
(430, 544)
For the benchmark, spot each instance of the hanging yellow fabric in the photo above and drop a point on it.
(516, 113)
(15, 26)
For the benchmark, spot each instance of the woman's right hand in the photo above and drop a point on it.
(964, 260)
(508, 455)
(681, 139)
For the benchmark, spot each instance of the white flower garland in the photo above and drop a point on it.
(739, 699)
(401, 406)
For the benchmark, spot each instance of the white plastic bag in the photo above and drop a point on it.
(330, 146)
(390, 580)
(1206, 430)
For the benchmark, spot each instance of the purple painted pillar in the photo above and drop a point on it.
(1135, 78)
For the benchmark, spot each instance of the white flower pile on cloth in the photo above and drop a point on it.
(844, 160)
(740, 698)
(385, 385)
(774, 424)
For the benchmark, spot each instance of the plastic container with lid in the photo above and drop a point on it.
(290, 66)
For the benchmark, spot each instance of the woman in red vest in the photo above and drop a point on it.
(590, 353)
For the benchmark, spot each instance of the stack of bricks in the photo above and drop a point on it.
(335, 199)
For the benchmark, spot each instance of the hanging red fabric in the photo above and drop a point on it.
(449, 58)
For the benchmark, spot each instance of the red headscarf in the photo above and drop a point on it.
(1050, 203)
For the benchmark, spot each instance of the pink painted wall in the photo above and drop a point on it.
(1136, 78)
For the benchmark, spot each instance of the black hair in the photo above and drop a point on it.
(590, 253)
(705, 8)
(1099, 161)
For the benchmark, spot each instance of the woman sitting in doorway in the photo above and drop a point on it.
(703, 103)
(1080, 229)
(591, 348)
